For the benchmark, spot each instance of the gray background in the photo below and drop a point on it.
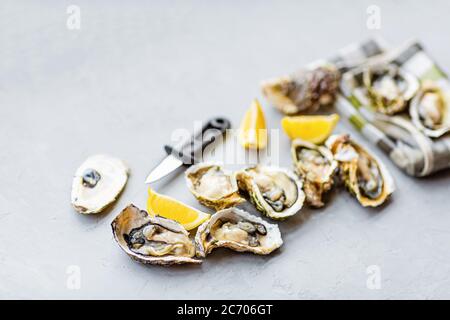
(132, 74)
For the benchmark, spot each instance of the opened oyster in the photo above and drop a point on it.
(152, 240)
(275, 192)
(430, 110)
(97, 183)
(238, 230)
(364, 175)
(213, 186)
(316, 165)
(389, 88)
(306, 91)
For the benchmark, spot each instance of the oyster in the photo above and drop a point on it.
(306, 91)
(316, 165)
(364, 175)
(389, 88)
(275, 192)
(97, 183)
(213, 186)
(238, 230)
(152, 240)
(430, 110)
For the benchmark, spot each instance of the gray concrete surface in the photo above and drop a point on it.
(132, 74)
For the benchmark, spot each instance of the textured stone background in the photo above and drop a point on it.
(132, 74)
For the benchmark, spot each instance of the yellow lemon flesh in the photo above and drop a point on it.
(164, 206)
(253, 132)
(315, 129)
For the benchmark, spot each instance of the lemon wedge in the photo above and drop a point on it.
(167, 207)
(315, 129)
(253, 132)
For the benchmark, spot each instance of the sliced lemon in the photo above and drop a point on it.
(167, 207)
(253, 132)
(315, 129)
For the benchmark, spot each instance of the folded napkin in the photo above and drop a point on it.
(406, 145)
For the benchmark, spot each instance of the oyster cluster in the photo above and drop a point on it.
(305, 91)
(161, 241)
(364, 175)
(275, 192)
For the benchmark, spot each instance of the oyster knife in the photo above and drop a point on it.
(189, 151)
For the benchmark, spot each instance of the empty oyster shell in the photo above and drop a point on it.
(389, 88)
(97, 183)
(430, 110)
(213, 186)
(305, 91)
(275, 192)
(316, 165)
(238, 230)
(364, 174)
(152, 240)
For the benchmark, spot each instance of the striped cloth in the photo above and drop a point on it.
(409, 149)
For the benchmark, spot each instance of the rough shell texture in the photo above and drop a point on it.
(348, 164)
(439, 107)
(132, 217)
(218, 190)
(316, 168)
(305, 91)
(248, 184)
(206, 242)
(97, 183)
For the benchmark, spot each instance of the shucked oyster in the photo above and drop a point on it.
(275, 192)
(389, 88)
(364, 175)
(430, 110)
(213, 186)
(316, 165)
(97, 183)
(305, 91)
(238, 230)
(152, 240)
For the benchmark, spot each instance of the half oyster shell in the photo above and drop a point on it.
(97, 183)
(152, 240)
(430, 110)
(238, 230)
(389, 88)
(364, 175)
(316, 165)
(275, 192)
(305, 91)
(213, 186)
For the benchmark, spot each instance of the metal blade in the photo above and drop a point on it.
(169, 164)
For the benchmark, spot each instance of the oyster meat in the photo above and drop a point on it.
(152, 240)
(213, 186)
(275, 192)
(316, 165)
(389, 88)
(238, 230)
(306, 91)
(430, 110)
(97, 183)
(364, 175)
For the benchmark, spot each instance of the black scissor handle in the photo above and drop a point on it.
(190, 151)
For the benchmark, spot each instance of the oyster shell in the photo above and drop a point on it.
(305, 91)
(97, 183)
(238, 230)
(364, 174)
(430, 110)
(213, 186)
(316, 165)
(275, 192)
(389, 88)
(152, 240)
